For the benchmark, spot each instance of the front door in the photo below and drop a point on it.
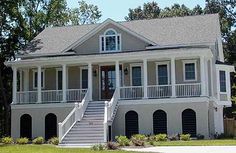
(108, 81)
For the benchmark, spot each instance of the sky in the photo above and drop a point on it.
(118, 9)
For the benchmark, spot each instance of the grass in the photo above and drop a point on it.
(226, 142)
(47, 149)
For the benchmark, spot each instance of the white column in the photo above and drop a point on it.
(26, 80)
(228, 86)
(64, 82)
(118, 78)
(21, 80)
(14, 85)
(90, 83)
(145, 79)
(39, 87)
(207, 77)
(203, 79)
(173, 77)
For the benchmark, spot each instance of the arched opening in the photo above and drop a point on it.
(26, 126)
(159, 122)
(50, 126)
(189, 125)
(131, 123)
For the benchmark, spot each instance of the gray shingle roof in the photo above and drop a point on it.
(167, 31)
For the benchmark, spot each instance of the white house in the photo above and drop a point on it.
(87, 84)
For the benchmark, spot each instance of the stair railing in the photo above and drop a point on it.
(109, 112)
(75, 115)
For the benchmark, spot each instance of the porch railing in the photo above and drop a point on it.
(131, 92)
(188, 90)
(27, 97)
(75, 115)
(74, 95)
(159, 91)
(51, 96)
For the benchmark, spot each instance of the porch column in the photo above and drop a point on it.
(118, 78)
(21, 80)
(90, 83)
(228, 86)
(14, 85)
(64, 80)
(26, 80)
(203, 79)
(173, 77)
(39, 86)
(145, 79)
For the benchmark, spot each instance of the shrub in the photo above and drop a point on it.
(122, 140)
(138, 139)
(223, 136)
(200, 137)
(112, 146)
(54, 141)
(161, 137)
(98, 147)
(22, 141)
(185, 137)
(174, 137)
(38, 140)
(152, 142)
(7, 140)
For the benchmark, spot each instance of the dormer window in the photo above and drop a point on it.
(110, 41)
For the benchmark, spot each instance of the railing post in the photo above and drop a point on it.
(145, 96)
(173, 77)
(60, 132)
(14, 85)
(64, 81)
(77, 106)
(105, 121)
(203, 81)
(39, 84)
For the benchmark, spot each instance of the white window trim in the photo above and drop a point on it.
(195, 67)
(131, 69)
(104, 37)
(168, 71)
(34, 71)
(58, 69)
(82, 68)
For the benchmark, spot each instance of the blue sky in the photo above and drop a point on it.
(118, 9)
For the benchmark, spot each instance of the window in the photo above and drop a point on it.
(35, 79)
(59, 79)
(162, 73)
(189, 68)
(110, 41)
(84, 78)
(222, 81)
(136, 78)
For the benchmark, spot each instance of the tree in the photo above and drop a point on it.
(85, 14)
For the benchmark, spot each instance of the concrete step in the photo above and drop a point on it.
(83, 142)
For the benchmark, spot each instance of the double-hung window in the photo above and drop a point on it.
(110, 41)
(136, 71)
(59, 79)
(190, 70)
(222, 81)
(35, 79)
(162, 73)
(84, 78)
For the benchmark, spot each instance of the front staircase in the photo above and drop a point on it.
(90, 130)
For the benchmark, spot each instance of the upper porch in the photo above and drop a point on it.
(137, 75)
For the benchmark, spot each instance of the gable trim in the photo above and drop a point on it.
(100, 27)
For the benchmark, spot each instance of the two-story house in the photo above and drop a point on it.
(87, 84)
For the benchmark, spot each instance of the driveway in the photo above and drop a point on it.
(187, 149)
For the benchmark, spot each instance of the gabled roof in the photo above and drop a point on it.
(166, 31)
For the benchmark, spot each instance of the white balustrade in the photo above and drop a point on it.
(159, 91)
(75, 115)
(131, 92)
(51, 96)
(75, 95)
(26, 97)
(188, 90)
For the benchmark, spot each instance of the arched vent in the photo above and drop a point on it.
(26, 126)
(189, 125)
(131, 123)
(159, 122)
(50, 126)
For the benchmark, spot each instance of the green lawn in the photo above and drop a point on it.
(229, 142)
(47, 149)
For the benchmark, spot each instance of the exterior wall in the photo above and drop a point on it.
(73, 77)
(174, 117)
(38, 119)
(128, 42)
